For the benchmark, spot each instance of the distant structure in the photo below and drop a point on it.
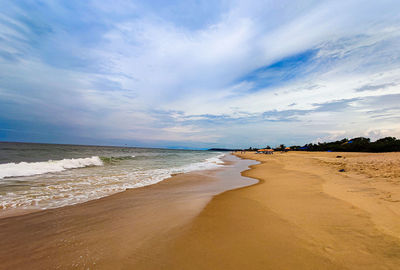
(261, 151)
(265, 151)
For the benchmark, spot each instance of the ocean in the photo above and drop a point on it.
(42, 176)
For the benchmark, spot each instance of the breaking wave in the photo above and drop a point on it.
(34, 168)
(69, 191)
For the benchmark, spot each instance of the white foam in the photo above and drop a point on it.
(154, 176)
(34, 168)
(88, 187)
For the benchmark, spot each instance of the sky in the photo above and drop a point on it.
(199, 74)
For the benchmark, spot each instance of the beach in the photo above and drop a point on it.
(301, 213)
(113, 232)
(200, 135)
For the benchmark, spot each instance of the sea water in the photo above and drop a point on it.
(41, 176)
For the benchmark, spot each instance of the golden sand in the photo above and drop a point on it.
(302, 214)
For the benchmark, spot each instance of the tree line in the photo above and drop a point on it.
(359, 144)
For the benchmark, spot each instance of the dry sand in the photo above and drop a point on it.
(302, 214)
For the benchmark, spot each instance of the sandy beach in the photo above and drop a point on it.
(113, 232)
(301, 214)
(200, 135)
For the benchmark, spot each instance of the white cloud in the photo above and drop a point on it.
(173, 82)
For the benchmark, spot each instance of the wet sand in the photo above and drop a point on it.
(302, 214)
(112, 232)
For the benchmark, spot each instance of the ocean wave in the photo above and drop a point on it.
(34, 168)
(112, 160)
(89, 187)
(151, 177)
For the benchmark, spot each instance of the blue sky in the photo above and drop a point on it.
(199, 74)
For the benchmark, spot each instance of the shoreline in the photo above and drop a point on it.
(299, 212)
(18, 211)
(286, 221)
(102, 233)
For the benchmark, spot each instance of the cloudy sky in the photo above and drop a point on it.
(199, 73)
